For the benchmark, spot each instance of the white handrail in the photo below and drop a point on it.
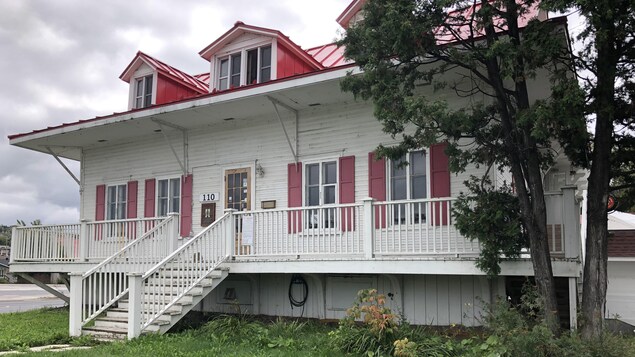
(106, 283)
(188, 265)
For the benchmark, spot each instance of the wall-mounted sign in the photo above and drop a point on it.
(209, 197)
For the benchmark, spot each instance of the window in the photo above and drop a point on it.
(116, 198)
(168, 196)
(408, 181)
(257, 63)
(321, 189)
(143, 92)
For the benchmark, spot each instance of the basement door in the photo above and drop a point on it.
(238, 197)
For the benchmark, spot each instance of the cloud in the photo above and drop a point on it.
(62, 59)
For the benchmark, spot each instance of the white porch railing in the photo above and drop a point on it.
(324, 230)
(419, 227)
(162, 286)
(54, 243)
(99, 288)
(86, 241)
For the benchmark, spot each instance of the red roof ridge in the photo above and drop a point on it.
(168, 70)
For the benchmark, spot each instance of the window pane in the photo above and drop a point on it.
(265, 75)
(330, 172)
(175, 187)
(148, 85)
(121, 211)
(162, 207)
(112, 194)
(265, 57)
(418, 188)
(224, 68)
(329, 195)
(235, 71)
(163, 188)
(252, 66)
(398, 188)
(417, 163)
(313, 172)
(112, 208)
(313, 195)
(121, 193)
(139, 87)
(223, 83)
(175, 205)
(397, 168)
(138, 102)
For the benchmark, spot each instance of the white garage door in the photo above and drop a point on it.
(620, 295)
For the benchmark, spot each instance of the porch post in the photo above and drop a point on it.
(173, 235)
(75, 305)
(369, 228)
(135, 283)
(83, 240)
(570, 223)
(573, 302)
(230, 238)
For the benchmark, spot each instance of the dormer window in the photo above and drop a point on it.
(143, 92)
(245, 67)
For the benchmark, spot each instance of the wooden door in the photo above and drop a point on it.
(238, 197)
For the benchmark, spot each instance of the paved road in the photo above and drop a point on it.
(22, 297)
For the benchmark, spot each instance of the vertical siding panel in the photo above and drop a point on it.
(454, 299)
(468, 303)
(432, 300)
(443, 301)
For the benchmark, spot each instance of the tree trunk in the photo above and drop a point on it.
(595, 265)
(539, 246)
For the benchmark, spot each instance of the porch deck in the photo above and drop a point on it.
(378, 237)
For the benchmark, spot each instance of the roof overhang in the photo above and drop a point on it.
(299, 93)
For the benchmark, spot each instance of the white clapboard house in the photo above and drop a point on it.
(254, 187)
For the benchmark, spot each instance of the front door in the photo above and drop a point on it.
(238, 197)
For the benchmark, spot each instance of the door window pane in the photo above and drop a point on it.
(116, 202)
(330, 172)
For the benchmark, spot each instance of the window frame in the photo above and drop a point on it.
(146, 98)
(117, 202)
(409, 218)
(244, 65)
(305, 195)
(169, 197)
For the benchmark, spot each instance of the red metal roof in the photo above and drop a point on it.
(203, 77)
(329, 55)
(167, 70)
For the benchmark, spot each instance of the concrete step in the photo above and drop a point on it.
(106, 333)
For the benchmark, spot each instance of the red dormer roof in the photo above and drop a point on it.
(176, 74)
(241, 28)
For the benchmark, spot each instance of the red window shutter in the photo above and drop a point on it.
(439, 181)
(294, 196)
(377, 187)
(347, 191)
(100, 203)
(186, 205)
(132, 199)
(148, 203)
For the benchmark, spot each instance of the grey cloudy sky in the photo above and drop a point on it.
(61, 62)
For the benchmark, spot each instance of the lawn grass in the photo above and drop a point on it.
(33, 328)
(224, 337)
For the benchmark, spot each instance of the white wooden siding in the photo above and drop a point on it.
(323, 133)
(424, 299)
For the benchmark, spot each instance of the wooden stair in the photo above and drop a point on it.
(113, 324)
